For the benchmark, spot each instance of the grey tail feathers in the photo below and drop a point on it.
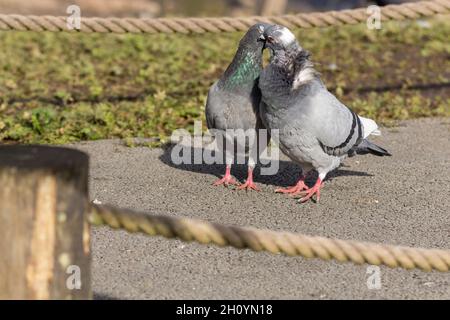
(366, 147)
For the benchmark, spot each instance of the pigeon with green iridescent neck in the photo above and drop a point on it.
(233, 101)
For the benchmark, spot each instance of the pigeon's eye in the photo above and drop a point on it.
(270, 39)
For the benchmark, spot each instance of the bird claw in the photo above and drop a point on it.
(315, 190)
(294, 190)
(226, 181)
(249, 185)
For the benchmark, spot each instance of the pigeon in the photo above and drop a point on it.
(314, 129)
(233, 101)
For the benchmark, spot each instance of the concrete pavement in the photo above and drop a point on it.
(401, 200)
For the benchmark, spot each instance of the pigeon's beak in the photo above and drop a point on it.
(262, 39)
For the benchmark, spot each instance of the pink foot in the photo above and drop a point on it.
(227, 179)
(294, 190)
(249, 184)
(315, 190)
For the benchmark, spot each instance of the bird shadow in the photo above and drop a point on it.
(103, 296)
(287, 174)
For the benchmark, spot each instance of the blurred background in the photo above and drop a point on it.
(156, 8)
(65, 87)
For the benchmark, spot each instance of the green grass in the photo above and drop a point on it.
(59, 88)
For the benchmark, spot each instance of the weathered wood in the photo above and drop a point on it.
(44, 235)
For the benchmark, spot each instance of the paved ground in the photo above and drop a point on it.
(401, 200)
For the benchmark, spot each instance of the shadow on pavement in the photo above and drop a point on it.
(102, 296)
(287, 175)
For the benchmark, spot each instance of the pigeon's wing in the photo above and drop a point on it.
(335, 126)
(260, 124)
(231, 110)
(212, 106)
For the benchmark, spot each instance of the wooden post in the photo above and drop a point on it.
(44, 234)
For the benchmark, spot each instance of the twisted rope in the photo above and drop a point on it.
(271, 241)
(201, 25)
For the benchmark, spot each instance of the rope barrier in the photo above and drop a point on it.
(275, 242)
(412, 10)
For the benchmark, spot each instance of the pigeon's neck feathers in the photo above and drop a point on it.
(243, 70)
(297, 65)
(304, 71)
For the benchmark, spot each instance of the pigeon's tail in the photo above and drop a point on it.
(366, 147)
(370, 127)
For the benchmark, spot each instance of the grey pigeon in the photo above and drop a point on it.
(233, 101)
(315, 129)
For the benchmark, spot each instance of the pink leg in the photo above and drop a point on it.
(310, 192)
(227, 178)
(294, 190)
(249, 184)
